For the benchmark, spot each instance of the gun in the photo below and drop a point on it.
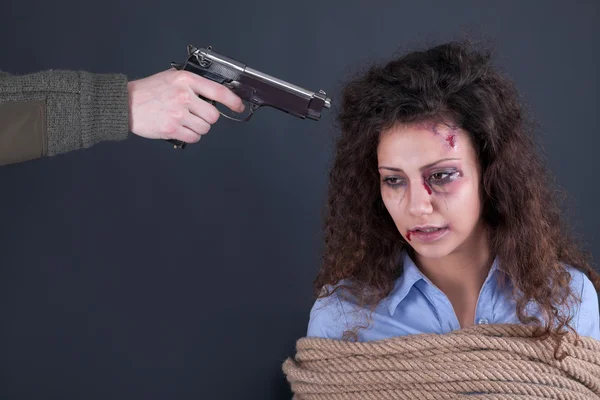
(252, 86)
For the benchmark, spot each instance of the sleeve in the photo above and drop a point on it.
(52, 112)
(327, 318)
(588, 319)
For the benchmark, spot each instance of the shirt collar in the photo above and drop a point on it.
(411, 275)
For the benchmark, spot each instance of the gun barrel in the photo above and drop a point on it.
(259, 87)
(289, 87)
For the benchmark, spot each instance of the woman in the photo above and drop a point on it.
(440, 214)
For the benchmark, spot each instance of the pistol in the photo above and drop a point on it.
(255, 88)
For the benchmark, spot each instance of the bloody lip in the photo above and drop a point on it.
(428, 236)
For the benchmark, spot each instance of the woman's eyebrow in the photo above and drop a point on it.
(423, 167)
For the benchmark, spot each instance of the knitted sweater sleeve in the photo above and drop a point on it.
(56, 111)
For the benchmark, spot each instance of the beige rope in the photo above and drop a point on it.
(480, 362)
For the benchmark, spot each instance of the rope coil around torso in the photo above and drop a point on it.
(479, 362)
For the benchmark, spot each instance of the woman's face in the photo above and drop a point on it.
(430, 178)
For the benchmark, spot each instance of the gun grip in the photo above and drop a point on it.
(178, 144)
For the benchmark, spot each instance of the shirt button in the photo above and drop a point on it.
(481, 321)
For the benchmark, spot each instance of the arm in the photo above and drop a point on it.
(52, 112)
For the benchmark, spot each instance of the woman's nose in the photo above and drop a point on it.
(419, 198)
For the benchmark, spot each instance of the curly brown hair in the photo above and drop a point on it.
(520, 204)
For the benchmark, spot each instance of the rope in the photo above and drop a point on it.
(499, 362)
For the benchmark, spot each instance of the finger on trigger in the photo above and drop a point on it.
(217, 92)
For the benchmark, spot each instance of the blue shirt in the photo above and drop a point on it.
(416, 305)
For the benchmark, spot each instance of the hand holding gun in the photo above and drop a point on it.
(255, 88)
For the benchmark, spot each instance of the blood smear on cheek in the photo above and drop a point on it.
(408, 235)
(427, 187)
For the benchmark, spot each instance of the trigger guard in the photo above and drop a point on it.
(253, 108)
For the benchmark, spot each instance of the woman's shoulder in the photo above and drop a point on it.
(329, 314)
(586, 318)
(580, 282)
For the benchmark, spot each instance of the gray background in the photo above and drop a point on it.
(134, 271)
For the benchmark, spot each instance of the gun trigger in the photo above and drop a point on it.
(253, 108)
(175, 65)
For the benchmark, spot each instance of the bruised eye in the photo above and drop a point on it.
(438, 176)
(393, 181)
(441, 178)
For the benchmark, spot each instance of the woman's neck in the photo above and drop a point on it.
(463, 272)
